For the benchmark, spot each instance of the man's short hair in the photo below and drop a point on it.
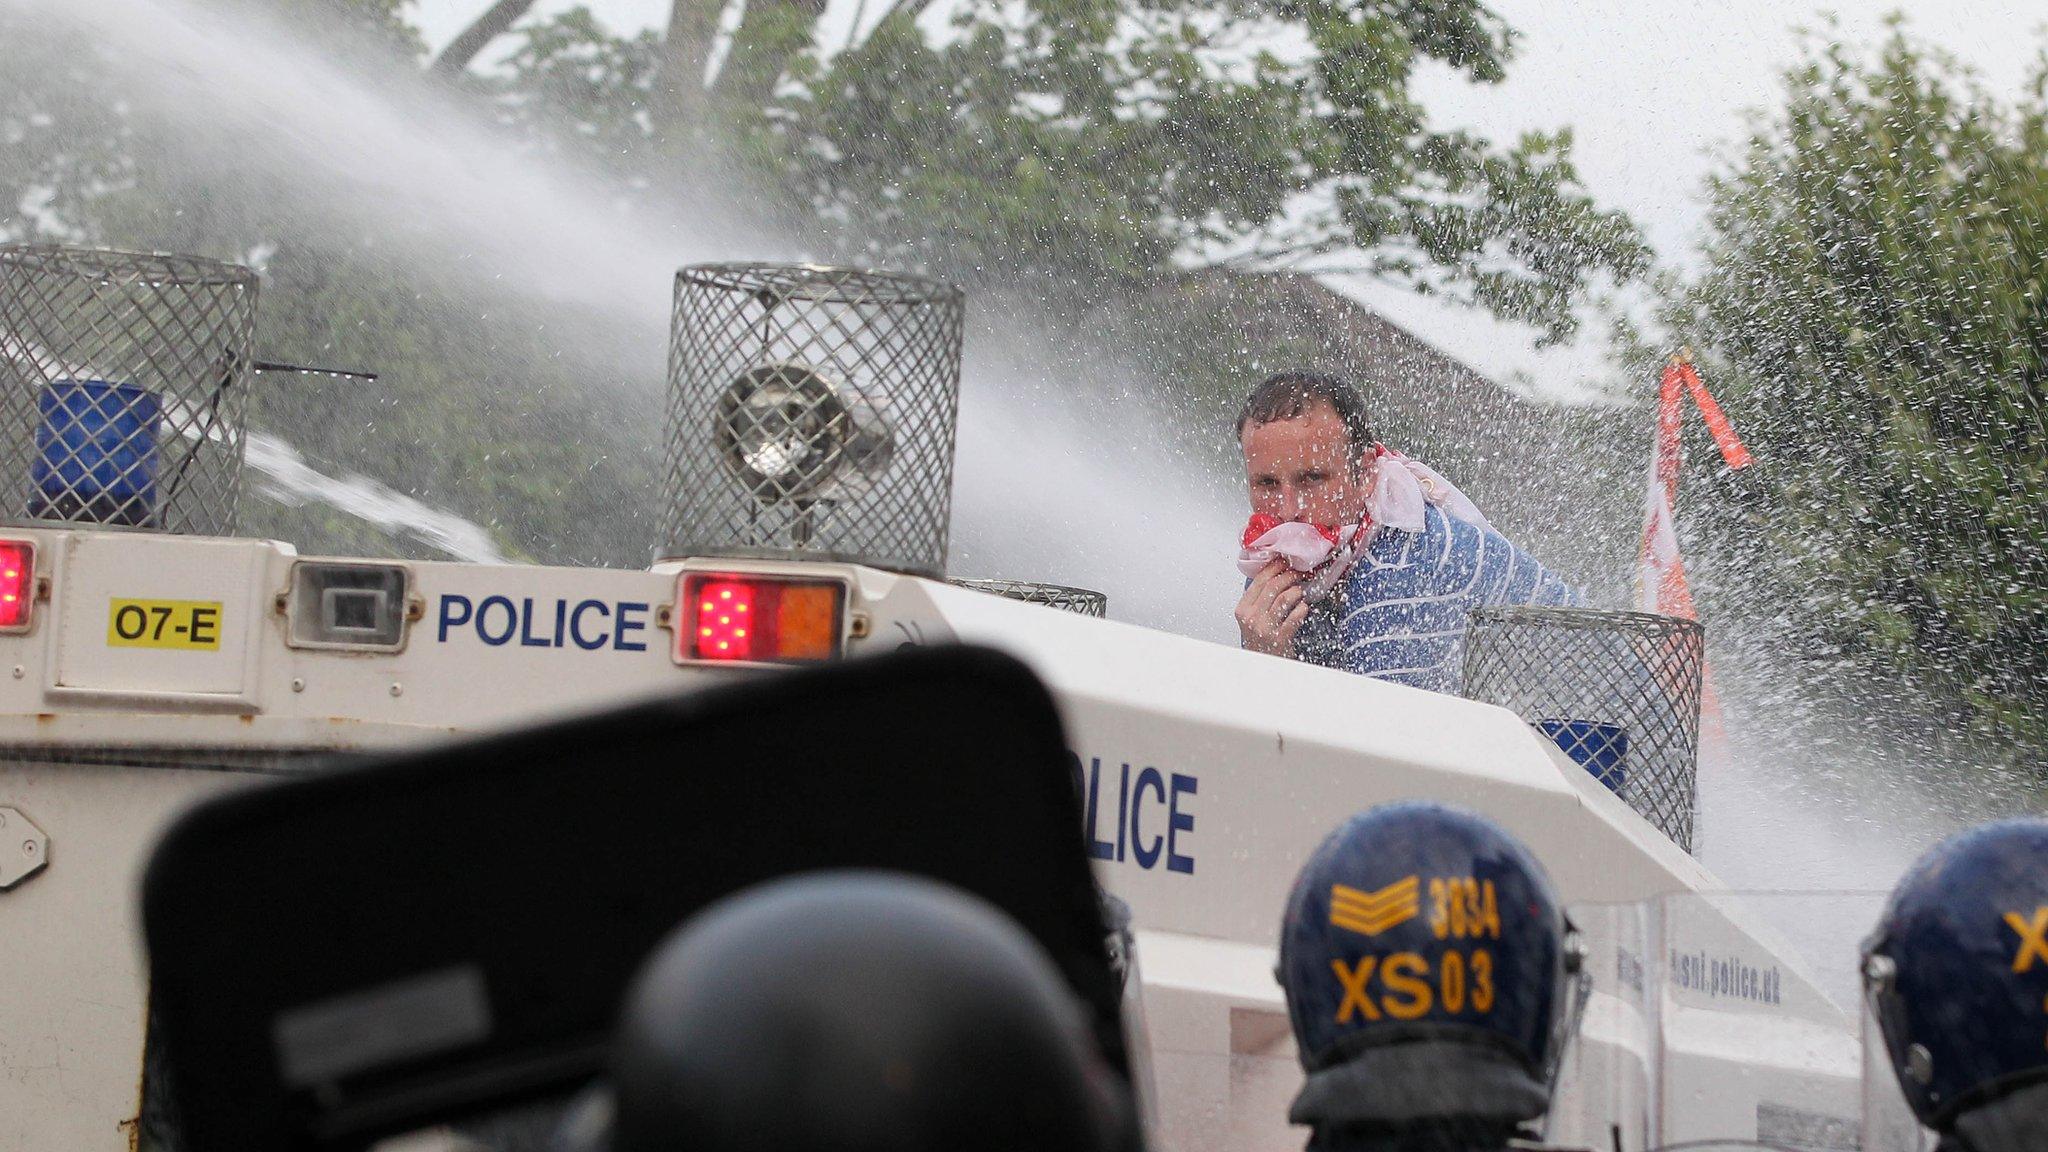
(1290, 396)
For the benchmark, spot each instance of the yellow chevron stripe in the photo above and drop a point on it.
(1407, 889)
(1369, 907)
(1371, 913)
(1373, 927)
(1405, 885)
(1398, 911)
(1393, 912)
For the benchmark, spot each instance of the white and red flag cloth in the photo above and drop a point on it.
(1394, 590)
(1401, 489)
(1661, 585)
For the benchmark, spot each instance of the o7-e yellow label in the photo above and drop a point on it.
(184, 624)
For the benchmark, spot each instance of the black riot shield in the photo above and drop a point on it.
(379, 948)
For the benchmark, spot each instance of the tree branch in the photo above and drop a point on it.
(771, 35)
(495, 22)
(907, 10)
(685, 52)
(894, 14)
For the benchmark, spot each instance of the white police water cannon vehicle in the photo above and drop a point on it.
(487, 975)
(154, 658)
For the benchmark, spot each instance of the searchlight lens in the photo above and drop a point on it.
(790, 434)
(783, 434)
(349, 607)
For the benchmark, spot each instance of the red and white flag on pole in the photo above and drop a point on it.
(1661, 586)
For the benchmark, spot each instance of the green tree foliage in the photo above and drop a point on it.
(1111, 141)
(64, 143)
(77, 157)
(1073, 153)
(381, 24)
(579, 85)
(1874, 311)
(488, 404)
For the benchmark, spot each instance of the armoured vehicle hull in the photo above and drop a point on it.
(1207, 774)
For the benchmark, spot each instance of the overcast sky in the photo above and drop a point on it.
(1653, 90)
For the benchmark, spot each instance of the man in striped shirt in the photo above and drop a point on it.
(1358, 557)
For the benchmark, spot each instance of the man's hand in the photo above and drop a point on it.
(1272, 610)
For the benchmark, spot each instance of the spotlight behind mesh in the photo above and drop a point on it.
(123, 382)
(811, 415)
(1619, 692)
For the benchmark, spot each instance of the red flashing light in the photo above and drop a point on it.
(724, 610)
(759, 619)
(17, 583)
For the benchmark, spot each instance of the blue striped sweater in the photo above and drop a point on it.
(1400, 613)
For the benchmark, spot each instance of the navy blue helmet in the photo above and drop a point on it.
(1957, 971)
(860, 1011)
(1427, 970)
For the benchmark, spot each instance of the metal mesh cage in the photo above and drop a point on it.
(1079, 600)
(1619, 692)
(123, 380)
(811, 415)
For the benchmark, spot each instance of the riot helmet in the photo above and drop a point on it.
(1431, 981)
(858, 1012)
(1956, 974)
